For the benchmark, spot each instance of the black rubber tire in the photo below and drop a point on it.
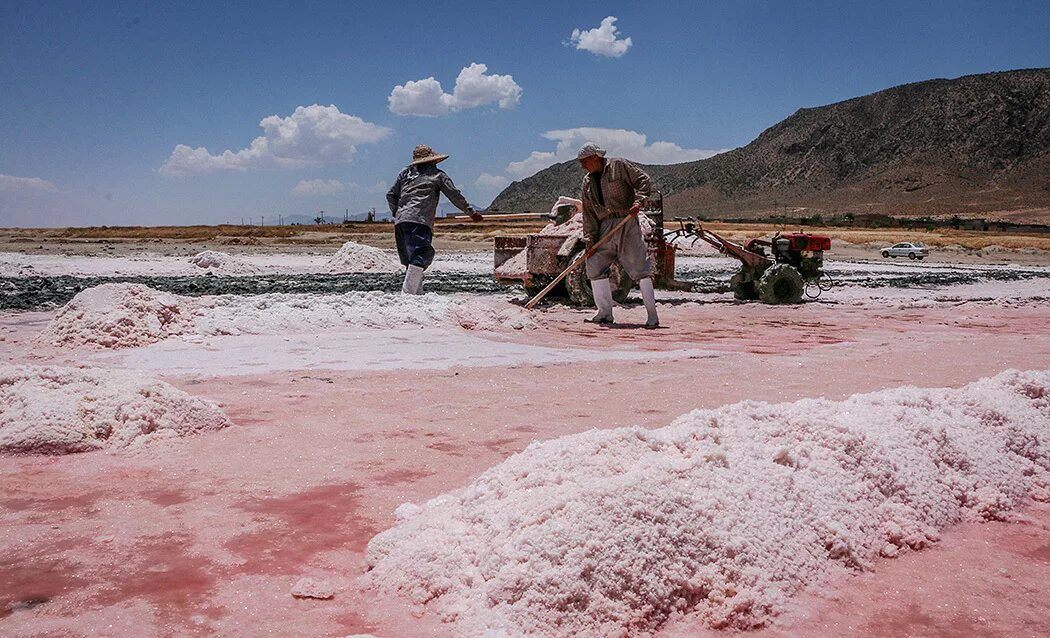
(579, 287)
(781, 284)
(742, 290)
(911, 255)
(885, 254)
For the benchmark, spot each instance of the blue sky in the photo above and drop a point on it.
(95, 98)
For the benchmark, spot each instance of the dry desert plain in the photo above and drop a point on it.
(870, 463)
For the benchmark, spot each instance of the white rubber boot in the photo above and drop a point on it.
(649, 297)
(603, 299)
(413, 281)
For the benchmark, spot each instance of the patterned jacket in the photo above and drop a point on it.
(623, 184)
(416, 191)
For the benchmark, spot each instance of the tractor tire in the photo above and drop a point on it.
(579, 287)
(742, 290)
(781, 284)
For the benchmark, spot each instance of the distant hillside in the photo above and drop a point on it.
(974, 146)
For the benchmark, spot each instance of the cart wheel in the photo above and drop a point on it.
(742, 290)
(579, 287)
(537, 283)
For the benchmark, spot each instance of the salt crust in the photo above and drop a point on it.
(354, 257)
(313, 588)
(222, 263)
(722, 515)
(127, 315)
(57, 410)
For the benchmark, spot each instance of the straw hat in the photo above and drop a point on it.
(423, 154)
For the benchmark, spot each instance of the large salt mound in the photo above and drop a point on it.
(275, 313)
(353, 257)
(722, 515)
(128, 315)
(54, 410)
(213, 260)
(118, 316)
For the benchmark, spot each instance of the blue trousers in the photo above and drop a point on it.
(414, 244)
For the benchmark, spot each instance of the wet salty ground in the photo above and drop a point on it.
(708, 275)
(333, 431)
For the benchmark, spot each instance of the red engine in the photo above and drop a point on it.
(805, 241)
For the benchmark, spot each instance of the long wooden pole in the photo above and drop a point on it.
(579, 260)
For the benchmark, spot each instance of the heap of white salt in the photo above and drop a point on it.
(354, 257)
(222, 263)
(129, 315)
(56, 410)
(118, 316)
(274, 313)
(722, 516)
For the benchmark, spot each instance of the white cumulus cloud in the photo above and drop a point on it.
(10, 183)
(602, 40)
(488, 182)
(617, 142)
(474, 87)
(310, 187)
(311, 136)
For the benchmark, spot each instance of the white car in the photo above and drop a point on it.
(909, 249)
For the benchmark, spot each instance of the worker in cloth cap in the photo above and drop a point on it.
(413, 202)
(612, 189)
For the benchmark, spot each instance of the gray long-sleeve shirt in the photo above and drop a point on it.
(622, 185)
(416, 191)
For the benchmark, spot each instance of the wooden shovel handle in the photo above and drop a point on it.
(579, 260)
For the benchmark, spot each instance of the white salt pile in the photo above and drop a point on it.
(222, 263)
(722, 515)
(514, 267)
(276, 313)
(118, 316)
(574, 226)
(354, 257)
(128, 315)
(55, 410)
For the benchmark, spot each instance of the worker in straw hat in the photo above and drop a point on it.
(413, 202)
(612, 189)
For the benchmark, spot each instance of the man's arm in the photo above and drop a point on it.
(456, 197)
(393, 196)
(453, 194)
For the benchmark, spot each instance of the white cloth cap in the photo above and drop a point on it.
(590, 149)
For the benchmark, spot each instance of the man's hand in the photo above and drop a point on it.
(634, 209)
(475, 216)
